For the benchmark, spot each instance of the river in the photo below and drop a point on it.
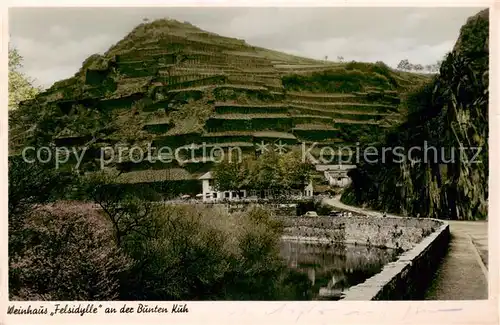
(332, 268)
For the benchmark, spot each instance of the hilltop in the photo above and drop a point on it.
(171, 83)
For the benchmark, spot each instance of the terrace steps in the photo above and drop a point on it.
(311, 126)
(347, 121)
(250, 109)
(336, 114)
(249, 116)
(340, 105)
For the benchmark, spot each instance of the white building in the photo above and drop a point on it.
(336, 175)
(309, 190)
(209, 194)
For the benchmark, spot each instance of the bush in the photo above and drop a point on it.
(126, 248)
(199, 253)
(178, 253)
(29, 185)
(317, 206)
(68, 254)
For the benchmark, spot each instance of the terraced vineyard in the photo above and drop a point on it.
(172, 84)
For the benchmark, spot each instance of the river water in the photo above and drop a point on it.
(332, 268)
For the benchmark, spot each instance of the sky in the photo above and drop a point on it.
(55, 41)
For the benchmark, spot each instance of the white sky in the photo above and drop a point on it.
(55, 41)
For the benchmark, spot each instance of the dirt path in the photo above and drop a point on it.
(463, 273)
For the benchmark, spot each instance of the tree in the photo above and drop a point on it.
(404, 65)
(230, 175)
(340, 58)
(20, 86)
(271, 171)
(296, 172)
(266, 173)
(126, 209)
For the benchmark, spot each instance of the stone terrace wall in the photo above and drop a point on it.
(388, 232)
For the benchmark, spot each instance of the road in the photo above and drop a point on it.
(463, 273)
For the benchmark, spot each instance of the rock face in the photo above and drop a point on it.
(449, 114)
(172, 84)
(474, 36)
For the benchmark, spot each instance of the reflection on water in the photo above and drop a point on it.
(332, 268)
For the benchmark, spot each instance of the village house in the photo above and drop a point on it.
(209, 194)
(336, 175)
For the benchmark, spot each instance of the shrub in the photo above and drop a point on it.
(127, 248)
(30, 184)
(177, 253)
(68, 254)
(318, 206)
(201, 253)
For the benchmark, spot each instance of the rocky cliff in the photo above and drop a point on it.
(449, 114)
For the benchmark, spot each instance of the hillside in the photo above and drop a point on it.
(449, 113)
(172, 84)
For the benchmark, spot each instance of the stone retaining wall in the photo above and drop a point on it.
(424, 242)
(409, 276)
(389, 232)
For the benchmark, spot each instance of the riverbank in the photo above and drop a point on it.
(462, 275)
(389, 232)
